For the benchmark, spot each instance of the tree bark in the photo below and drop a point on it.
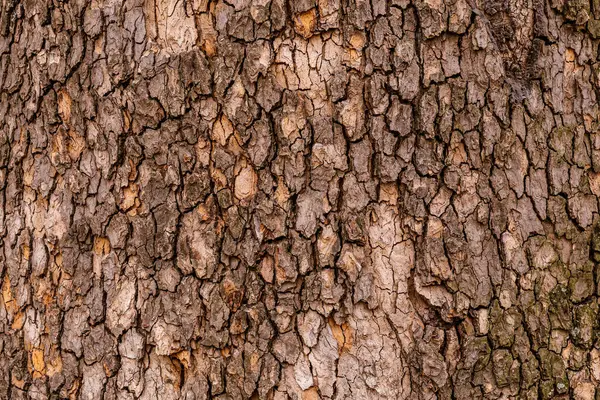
(308, 199)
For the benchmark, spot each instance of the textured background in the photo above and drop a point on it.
(278, 199)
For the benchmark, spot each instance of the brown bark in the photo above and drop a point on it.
(311, 199)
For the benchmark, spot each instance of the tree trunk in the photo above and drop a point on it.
(311, 199)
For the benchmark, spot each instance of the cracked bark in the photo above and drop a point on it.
(305, 199)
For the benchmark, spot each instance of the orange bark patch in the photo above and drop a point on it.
(130, 199)
(126, 120)
(18, 321)
(9, 302)
(306, 22)
(47, 298)
(20, 383)
(25, 252)
(184, 358)
(310, 394)
(358, 40)
(342, 334)
(209, 46)
(101, 246)
(39, 365)
(74, 390)
(204, 212)
(354, 55)
(226, 352)
(282, 193)
(11, 306)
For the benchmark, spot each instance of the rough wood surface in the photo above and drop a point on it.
(303, 199)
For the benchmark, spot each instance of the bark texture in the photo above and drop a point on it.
(303, 199)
